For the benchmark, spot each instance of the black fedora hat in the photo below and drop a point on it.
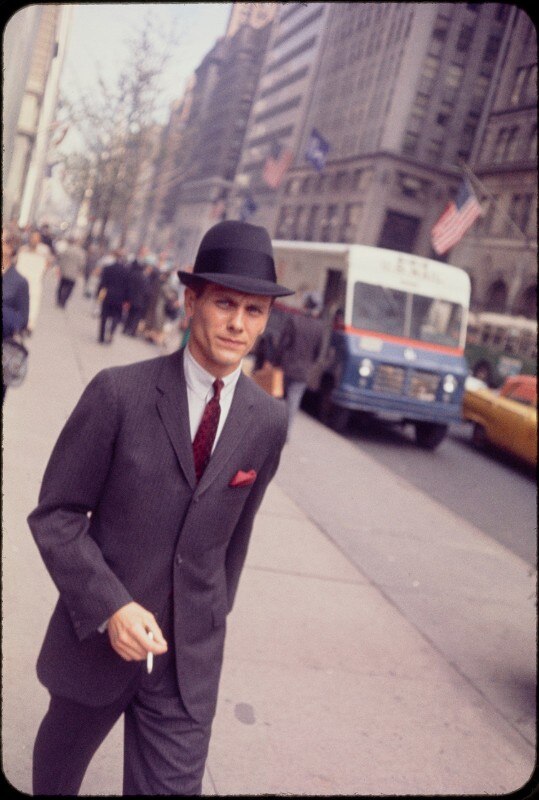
(237, 255)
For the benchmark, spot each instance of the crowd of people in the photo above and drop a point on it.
(141, 292)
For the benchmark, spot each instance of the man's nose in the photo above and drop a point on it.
(236, 319)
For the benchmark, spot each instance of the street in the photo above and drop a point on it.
(384, 635)
(489, 489)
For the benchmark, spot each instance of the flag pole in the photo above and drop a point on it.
(493, 200)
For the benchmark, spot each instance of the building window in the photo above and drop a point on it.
(531, 84)
(340, 181)
(532, 150)
(488, 219)
(312, 223)
(492, 48)
(279, 109)
(301, 222)
(411, 186)
(409, 146)
(329, 224)
(520, 79)
(442, 119)
(294, 76)
(356, 177)
(502, 12)
(350, 224)
(434, 149)
(465, 38)
(453, 76)
(520, 212)
(505, 145)
(300, 26)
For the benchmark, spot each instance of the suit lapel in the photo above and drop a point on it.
(238, 420)
(173, 409)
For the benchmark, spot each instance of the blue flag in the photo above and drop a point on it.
(317, 150)
(248, 208)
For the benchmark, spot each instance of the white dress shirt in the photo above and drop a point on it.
(200, 391)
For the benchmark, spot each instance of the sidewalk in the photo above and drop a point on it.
(326, 689)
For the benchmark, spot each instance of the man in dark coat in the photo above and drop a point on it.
(113, 287)
(138, 292)
(298, 348)
(144, 519)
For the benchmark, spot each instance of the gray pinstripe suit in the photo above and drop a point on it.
(120, 518)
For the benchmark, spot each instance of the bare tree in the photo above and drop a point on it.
(117, 124)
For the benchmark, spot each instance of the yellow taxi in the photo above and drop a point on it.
(506, 418)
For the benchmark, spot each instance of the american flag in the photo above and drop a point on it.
(459, 215)
(276, 165)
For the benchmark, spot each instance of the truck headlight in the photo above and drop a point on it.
(366, 368)
(450, 384)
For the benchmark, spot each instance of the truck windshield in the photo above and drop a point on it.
(411, 316)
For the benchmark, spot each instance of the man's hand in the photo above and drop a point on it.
(128, 633)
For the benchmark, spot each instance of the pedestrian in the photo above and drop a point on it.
(144, 519)
(92, 257)
(113, 293)
(46, 237)
(297, 350)
(71, 261)
(33, 260)
(15, 295)
(138, 293)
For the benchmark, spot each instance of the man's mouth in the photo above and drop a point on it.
(231, 342)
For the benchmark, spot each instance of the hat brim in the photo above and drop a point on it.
(240, 283)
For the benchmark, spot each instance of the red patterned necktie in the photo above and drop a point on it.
(205, 435)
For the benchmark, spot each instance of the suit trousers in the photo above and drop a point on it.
(165, 749)
(65, 287)
(112, 311)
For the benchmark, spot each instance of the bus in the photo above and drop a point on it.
(500, 345)
(396, 328)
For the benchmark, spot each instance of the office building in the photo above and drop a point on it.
(501, 252)
(213, 136)
(278, 113)
(398, 97)
(35, 42)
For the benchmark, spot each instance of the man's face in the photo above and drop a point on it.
(224, 326)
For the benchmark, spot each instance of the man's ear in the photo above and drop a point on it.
(189, 300)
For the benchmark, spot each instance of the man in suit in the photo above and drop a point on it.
(114, 289)
(143, 521)
(298, 348)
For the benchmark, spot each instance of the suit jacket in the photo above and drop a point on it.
(299, 346)
(121, 517)
(114, 280)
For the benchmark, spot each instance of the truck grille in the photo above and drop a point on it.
(389, 379)
(424, 385)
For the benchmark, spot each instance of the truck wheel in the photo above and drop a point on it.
(429, 434)
(335, 417)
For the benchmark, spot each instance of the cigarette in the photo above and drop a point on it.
(149, 657)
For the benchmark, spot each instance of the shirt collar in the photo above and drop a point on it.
(200, 381)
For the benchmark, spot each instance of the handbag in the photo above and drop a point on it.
(14, 362)
(270, 378)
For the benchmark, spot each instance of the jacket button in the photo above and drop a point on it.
(179, 559)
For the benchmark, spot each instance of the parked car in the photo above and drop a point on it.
(506, 418)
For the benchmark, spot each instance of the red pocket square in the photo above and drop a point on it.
(243, 478)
